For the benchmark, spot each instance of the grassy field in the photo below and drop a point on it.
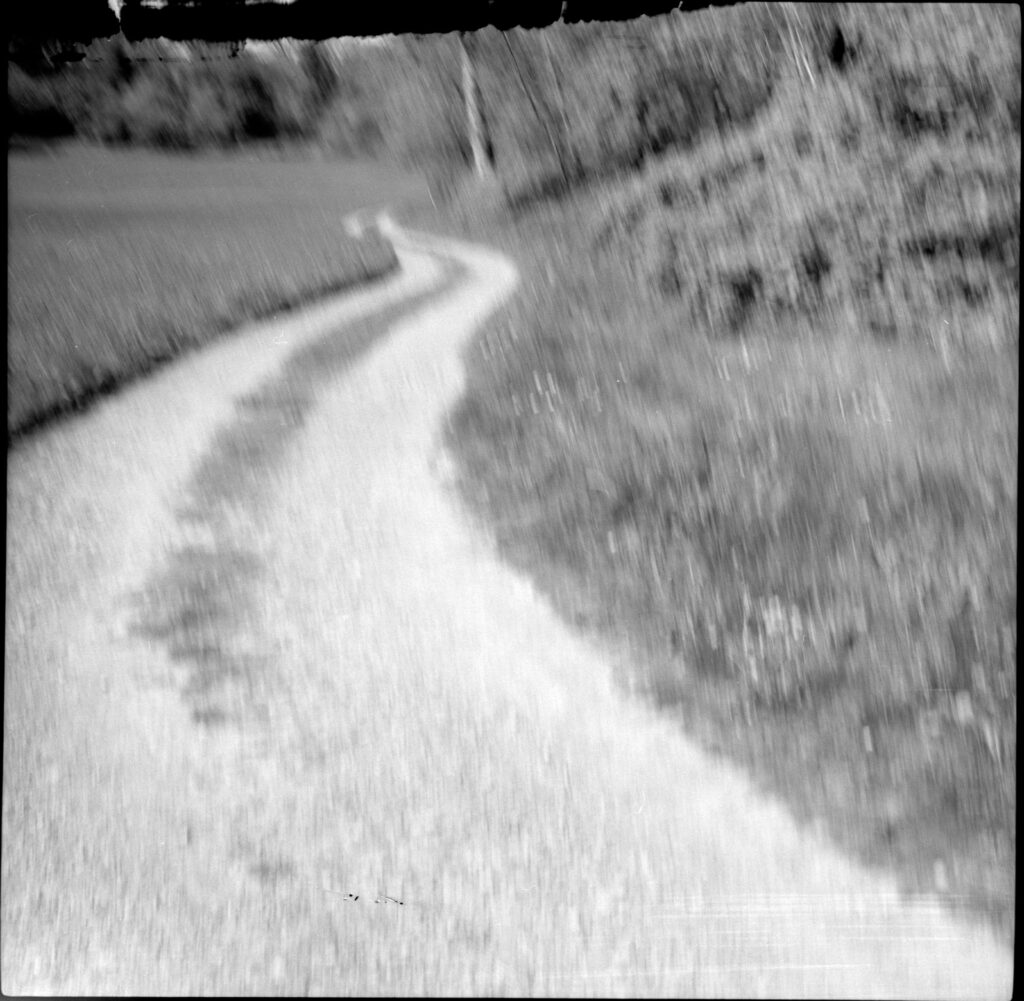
(120, 260)
(753, 420)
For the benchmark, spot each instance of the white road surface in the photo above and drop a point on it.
(277, 721)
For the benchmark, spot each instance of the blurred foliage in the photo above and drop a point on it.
(563, 104)
(33, 108)
(568, 104)
(177, 97)
(757, 415)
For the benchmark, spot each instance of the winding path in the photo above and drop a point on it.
(277, 721)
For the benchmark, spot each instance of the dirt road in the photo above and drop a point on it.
(278, 722)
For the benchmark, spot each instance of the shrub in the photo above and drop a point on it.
(33, 109)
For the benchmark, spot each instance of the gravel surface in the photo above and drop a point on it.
(278, 722)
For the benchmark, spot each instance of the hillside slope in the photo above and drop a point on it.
(754, 420)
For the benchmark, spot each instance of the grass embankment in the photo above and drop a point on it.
(120, 260)
(754, 416)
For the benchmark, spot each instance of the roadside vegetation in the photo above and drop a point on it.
(162, 94)
(753, 417)
(119, 261)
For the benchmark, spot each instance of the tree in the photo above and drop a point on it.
(320, 72)
(322, 82)
(112, 63)
(483, 165)
(32, 108)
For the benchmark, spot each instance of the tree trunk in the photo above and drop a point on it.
(567, 143)
(482, 166)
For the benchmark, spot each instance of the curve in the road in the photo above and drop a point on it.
(440, 790)
(202, 604)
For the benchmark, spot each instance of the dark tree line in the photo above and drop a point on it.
(550, 108)
(156, 93)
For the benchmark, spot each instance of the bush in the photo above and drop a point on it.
(33, 110)
(152, 111)
(161, 100)
(268, 100)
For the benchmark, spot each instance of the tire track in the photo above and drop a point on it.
(200, 605)
(416, 726)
